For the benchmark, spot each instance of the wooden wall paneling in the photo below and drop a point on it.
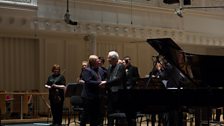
(75, 53)
(131, 49)
(6, 64)
(145, 53)
(55, 54)
(43, 71)
(18, 66)
(101, 49)
(2, 103)
(18, 70)
(106, 44)
(2, 63)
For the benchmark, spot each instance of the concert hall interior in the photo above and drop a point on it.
(176, 48)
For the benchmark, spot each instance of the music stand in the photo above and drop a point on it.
(73, 89)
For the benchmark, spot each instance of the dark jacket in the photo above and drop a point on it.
(92, 78)
(132, 76)
(116, 77)
(58, 80)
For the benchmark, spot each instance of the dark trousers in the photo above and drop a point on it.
(174, 118)
(103, 108)
(131, 118)
(91, 112)
(57, 111)
(112, 106)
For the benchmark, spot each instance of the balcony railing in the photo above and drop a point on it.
(19, 3)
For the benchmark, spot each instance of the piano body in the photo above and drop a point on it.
(204, 89)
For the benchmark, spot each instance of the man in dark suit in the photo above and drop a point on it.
(92, 76)
(132, 74)
(116, 79)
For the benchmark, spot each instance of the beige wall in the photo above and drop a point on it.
(18, 64)
(26, 62)
(32, 38)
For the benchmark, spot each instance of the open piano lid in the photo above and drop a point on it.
(165, 47)
(207, 70)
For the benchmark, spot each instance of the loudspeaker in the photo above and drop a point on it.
(185, 2)
(170, 1)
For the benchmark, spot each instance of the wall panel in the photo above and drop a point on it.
(68, 53)
(145, 53)
(18, 63)
(75, 54)
(106, 44)
(54, 54)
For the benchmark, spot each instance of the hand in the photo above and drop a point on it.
(47, 86)
(54, 85)
(102, 84)
(81, 81)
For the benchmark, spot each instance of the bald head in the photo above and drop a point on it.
(93, 60)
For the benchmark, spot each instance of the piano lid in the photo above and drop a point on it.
(207, 70)
(166, 47)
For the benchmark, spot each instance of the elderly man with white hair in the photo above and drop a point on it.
(116, 80)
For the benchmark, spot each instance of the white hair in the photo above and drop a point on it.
(113, 55)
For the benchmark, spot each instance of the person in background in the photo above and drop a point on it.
(103, 92)
(92, 76)
(120, 61)
(176, 79)
(56, 86)
(84, 65)
(132, 75)
(158, 79)
(101, 63)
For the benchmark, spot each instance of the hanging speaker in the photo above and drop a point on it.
(170, 1)
(185, 2)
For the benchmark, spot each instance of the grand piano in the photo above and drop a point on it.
(203, 89)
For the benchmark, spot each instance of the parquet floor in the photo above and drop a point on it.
(42, 122)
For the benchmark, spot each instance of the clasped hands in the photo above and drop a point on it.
(102, 84)
(52, 86)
